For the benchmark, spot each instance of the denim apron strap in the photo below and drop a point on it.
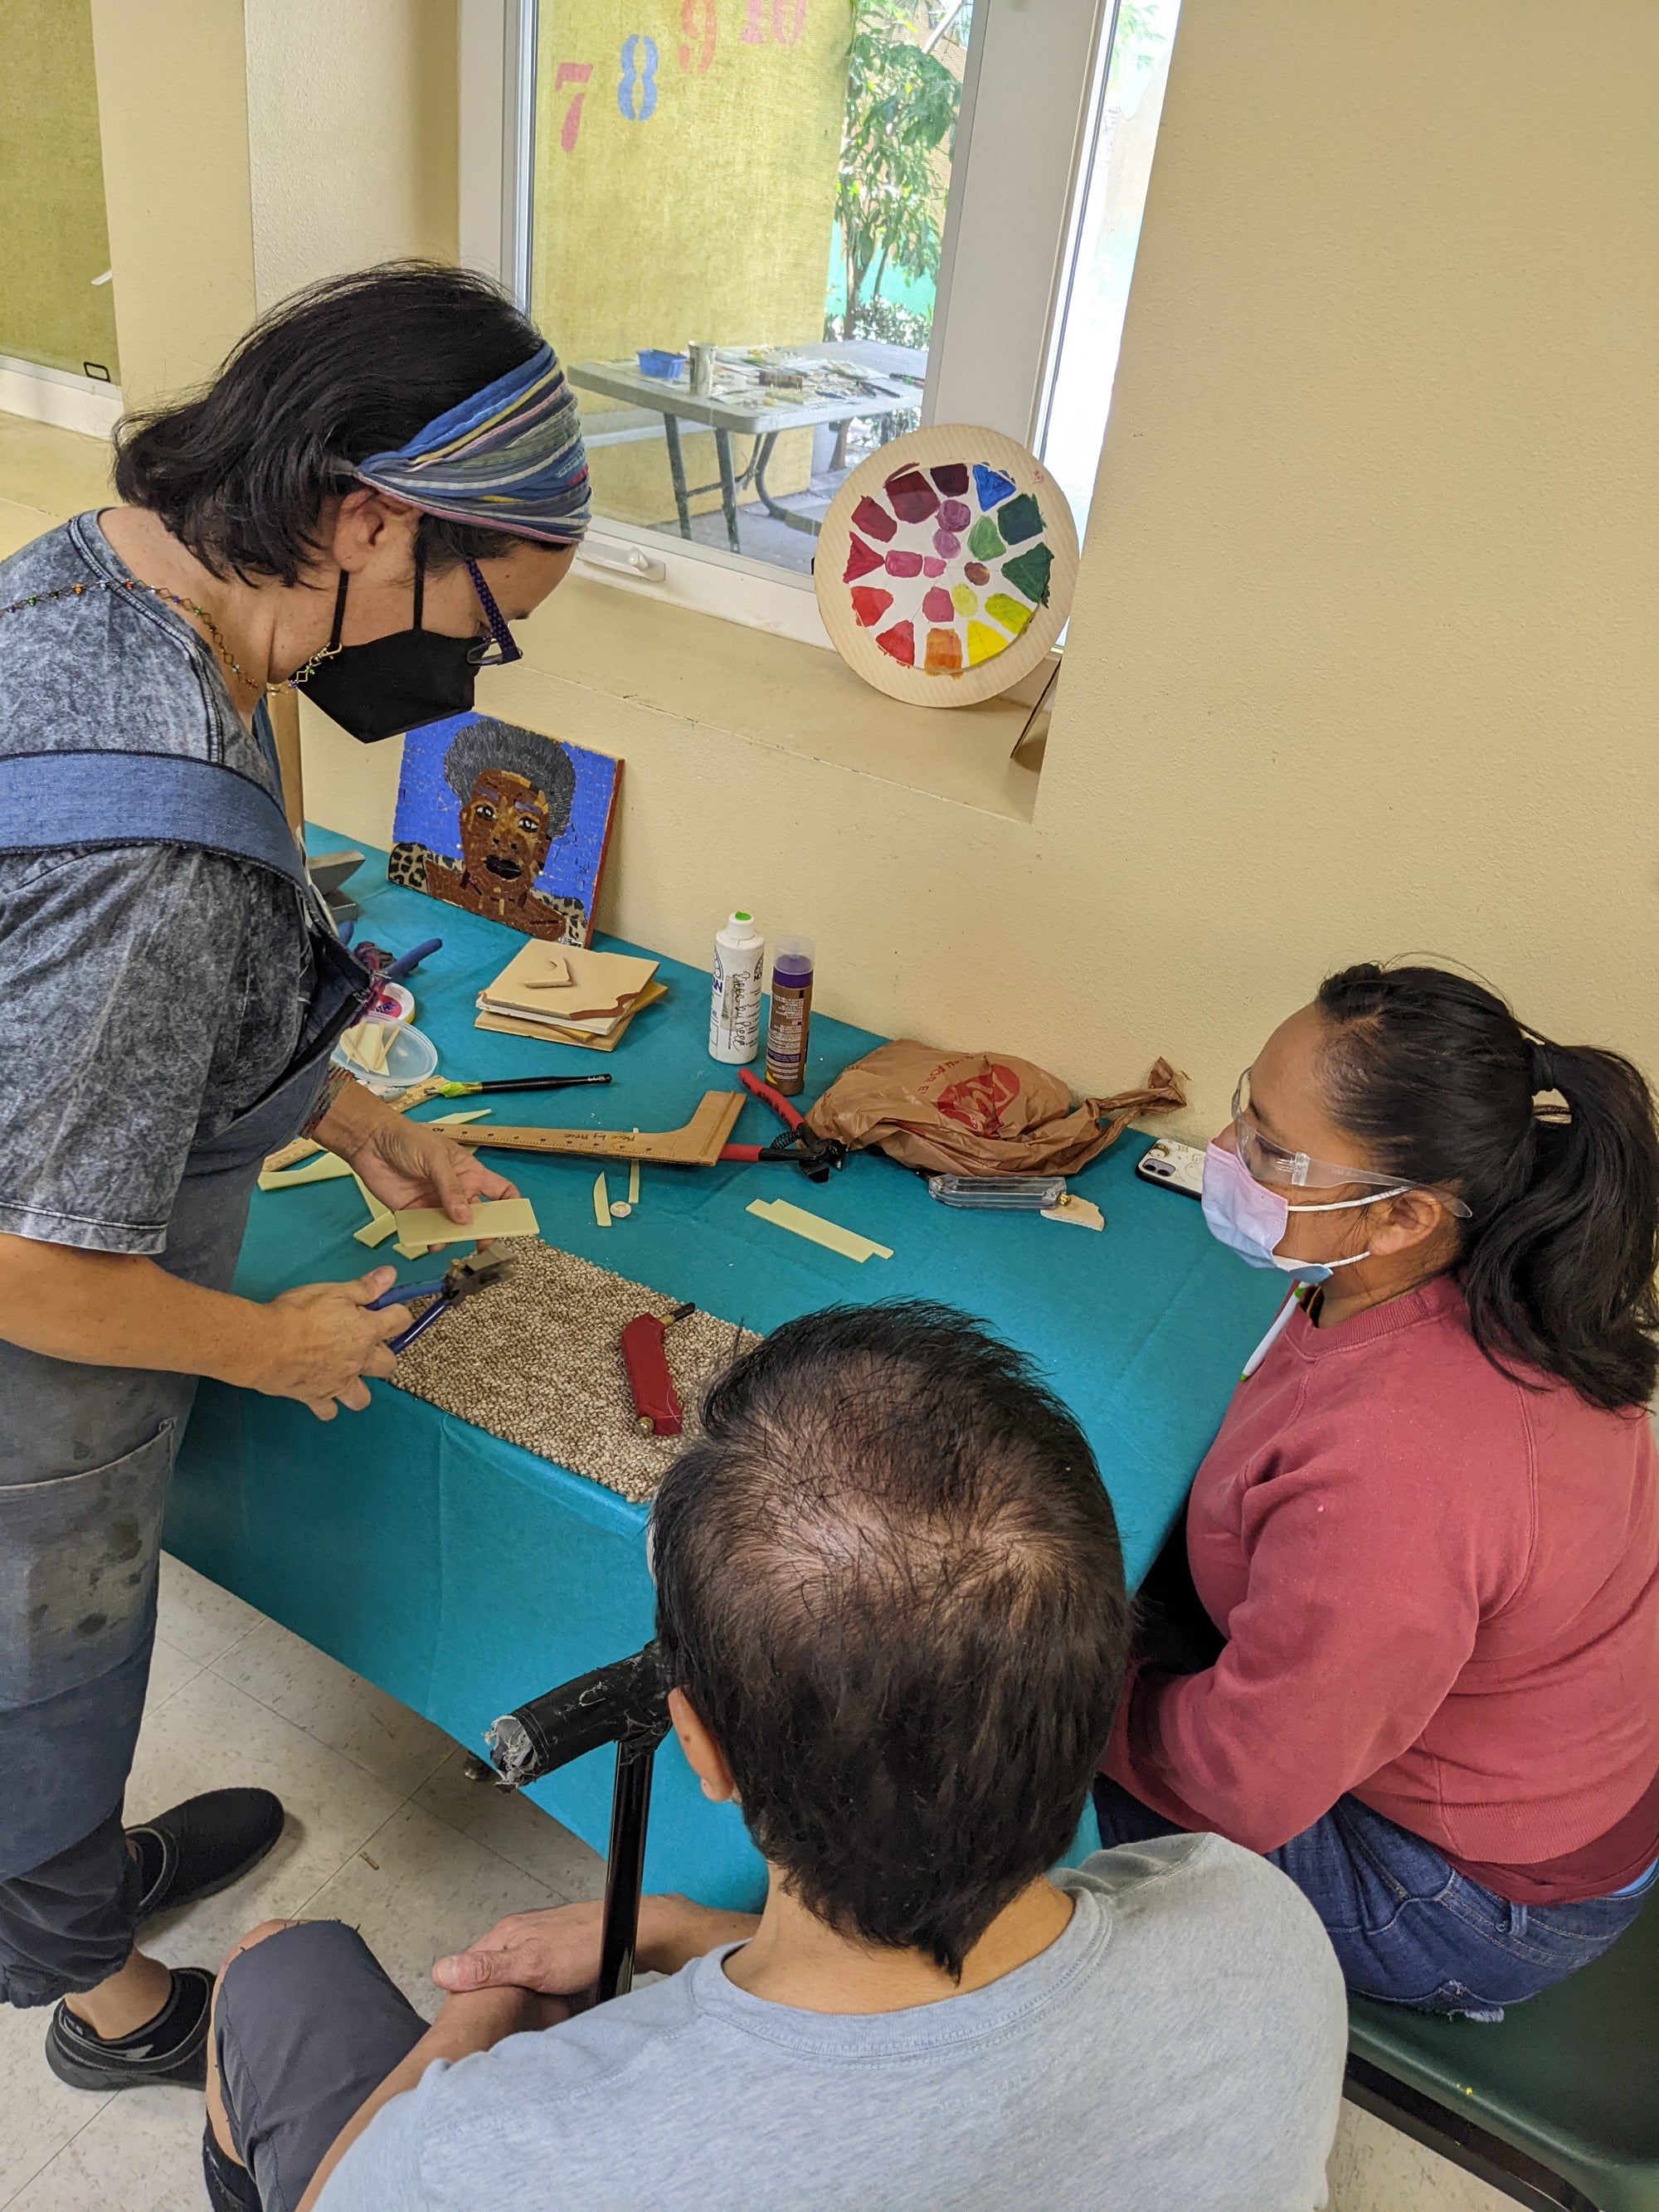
(86, 1452)
(143, 799)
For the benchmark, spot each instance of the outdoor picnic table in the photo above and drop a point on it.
(752, 415)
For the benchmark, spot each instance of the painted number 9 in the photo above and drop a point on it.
(639, 66)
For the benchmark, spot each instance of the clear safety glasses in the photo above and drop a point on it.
(1271, 1164)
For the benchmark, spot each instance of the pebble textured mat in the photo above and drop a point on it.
(537, 1360)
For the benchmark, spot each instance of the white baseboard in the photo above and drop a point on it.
(51, 395)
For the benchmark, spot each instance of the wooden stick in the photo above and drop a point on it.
(695, 1145)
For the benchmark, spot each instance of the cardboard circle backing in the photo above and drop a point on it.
(955, 547)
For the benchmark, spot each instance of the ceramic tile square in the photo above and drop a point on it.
(1374, 2168)
(141, 2153)
(38, 2114)
(418, 1889)
(210, 1735)
(514, 1828)
(170, 1669)
(196, 1616)
(337, 1707)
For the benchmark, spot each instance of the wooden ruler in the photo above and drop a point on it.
(695, 1145)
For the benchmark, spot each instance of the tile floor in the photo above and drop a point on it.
(385, 1832)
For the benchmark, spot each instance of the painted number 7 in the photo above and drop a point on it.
(571, 73)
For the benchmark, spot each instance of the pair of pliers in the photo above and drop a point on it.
(458, 1280)
(813, 1155)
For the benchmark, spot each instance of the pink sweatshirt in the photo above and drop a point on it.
(1440, 1591)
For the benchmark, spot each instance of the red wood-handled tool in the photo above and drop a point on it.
(657, 1409)
(813, 1155)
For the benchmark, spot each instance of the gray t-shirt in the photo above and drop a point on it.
(149, 994)
(1179, 2048)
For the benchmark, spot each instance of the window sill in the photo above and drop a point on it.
(772, 692)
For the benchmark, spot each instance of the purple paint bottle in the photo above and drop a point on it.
(792, 1015)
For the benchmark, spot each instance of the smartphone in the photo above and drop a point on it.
(1174, 1166)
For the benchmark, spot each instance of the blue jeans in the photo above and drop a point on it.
(1406, 1926)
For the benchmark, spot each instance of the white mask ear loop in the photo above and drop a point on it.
(1343, 1205)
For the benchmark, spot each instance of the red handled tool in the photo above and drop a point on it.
(657, 1410)
(813, 1155)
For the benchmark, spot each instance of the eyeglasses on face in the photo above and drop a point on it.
(1274, 1164)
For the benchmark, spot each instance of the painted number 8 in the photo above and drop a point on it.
(639, 54)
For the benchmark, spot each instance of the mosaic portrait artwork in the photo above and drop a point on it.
(505, 823)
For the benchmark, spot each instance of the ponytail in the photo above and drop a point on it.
(1557, 1259)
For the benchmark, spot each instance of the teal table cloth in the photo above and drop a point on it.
(462, 1574)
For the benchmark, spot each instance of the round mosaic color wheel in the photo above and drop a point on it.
(945, 566)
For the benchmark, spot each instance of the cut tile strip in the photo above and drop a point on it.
(421, 1226)
(817, 1230)
(382, 1221)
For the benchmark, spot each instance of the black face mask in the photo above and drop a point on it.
(396, 683)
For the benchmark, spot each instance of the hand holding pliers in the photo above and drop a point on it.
(461, 1278)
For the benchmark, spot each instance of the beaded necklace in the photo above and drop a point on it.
(136, 584)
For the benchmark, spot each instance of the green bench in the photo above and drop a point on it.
(1558, 2106)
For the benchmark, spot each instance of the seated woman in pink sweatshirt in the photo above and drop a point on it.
(1426, 1541)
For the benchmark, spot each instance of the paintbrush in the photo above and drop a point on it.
(518, 1083)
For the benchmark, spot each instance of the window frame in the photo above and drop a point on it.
(1030, 92)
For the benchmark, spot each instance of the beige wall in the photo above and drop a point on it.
(352, 134)
(172, 116)
(1363, 659)
(249, 148)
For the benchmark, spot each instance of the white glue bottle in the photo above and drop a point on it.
(734, 1013)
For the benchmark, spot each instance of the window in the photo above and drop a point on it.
(58, 357)
(1111, 195)
(768, 235)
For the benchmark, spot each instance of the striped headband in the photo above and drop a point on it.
(511, 457)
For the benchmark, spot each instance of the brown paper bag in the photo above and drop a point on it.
(979, 1113)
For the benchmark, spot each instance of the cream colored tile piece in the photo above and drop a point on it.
(339, 1708)
(514, 1828)
(422, 1225)
(1374, 2168)
(197, 1617)
(141, 2153)
(38, 2114)
(210, 1734)
(327, 1167)
(170, 1669)
(418, 1889)
(817, 1231)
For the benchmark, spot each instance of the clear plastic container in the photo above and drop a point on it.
(1006, 1193)
(410, 1057)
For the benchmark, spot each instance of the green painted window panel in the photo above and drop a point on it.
(54, 239)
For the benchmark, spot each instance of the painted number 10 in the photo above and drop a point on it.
(788, 21)
(639, 73)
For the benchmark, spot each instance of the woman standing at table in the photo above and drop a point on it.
(1426, 1541)
(387, 470)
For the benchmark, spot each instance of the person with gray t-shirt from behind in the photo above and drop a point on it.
(890, 1594)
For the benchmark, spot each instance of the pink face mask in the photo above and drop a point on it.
(1250, 1220)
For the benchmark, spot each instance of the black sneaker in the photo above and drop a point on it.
(203, 1845)
(171, 2049)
